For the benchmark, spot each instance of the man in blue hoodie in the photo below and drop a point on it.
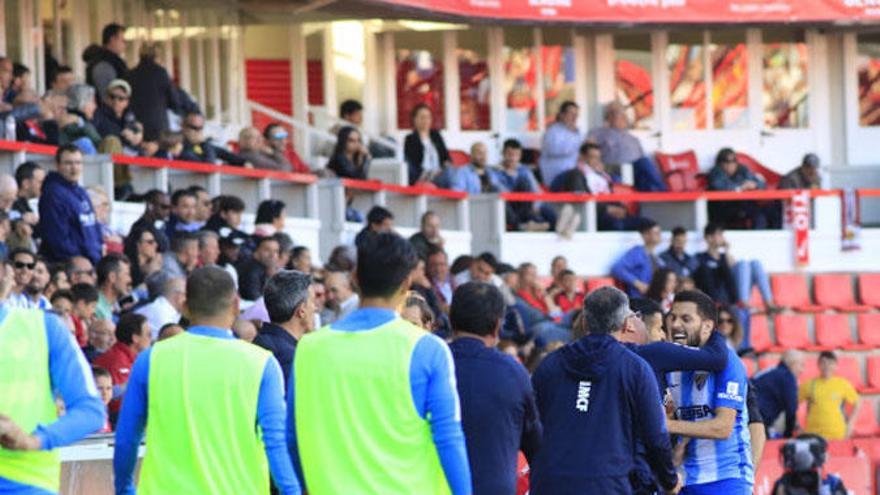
(68, 225)
(710, 408)
(597, 401)
(636, 267)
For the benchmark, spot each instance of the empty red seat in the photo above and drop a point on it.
(756, 300)
(850, 368)
(771, 177)
(459, 158)
(834, 290)
(596, 282)
(841, 448)
(751, 366)
(869, 329)
(767, 362)
(873, 364)
(680, 171)
(833, 332)
(869, 289)
(760, 334)
(865, 424)
(790, 291)
(791, 332)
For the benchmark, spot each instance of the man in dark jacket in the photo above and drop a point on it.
(68, 225)
(152, 93)
(105, 63)
(198, 148)
(498, 412)
(290, 303)
(779, 391)
(254, 273)
(597, 401)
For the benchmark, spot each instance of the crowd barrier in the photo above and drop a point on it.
(317, 212)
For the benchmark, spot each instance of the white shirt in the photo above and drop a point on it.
(431, 158)
(24, 302)
(159, 313)
(598, 183)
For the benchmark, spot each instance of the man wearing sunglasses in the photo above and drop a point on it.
(23, 264)
(198, 148)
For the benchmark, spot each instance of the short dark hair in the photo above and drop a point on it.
(378, 214)
(269, 210)
(165, 328)
(678, 230)
(15, 252)
(84, 292)
(196, 189)
(476, 308)
(646, 224)
(566, 273)
(645, 306)
(111, 263)
(461, 264)
(416, 109)
(129, 325)
(19, 70)
(712, 228)
(259, 241)
(98, 371)
(210, 291)
(111, 30)
(605, 310)
(705, 305)
(65, 148)
(489, 259)
(587, 146)
(25, 171)
(565, 106)
(384, 261)
(286, 291)
(179, 194)
(349, 107)
(512, 144)
(297, 251)
(66, 294)
(61, 69)
(181, 240)
(267, 131)
(828, 355)
(230, 203)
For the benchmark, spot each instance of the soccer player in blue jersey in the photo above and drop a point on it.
(711, 408)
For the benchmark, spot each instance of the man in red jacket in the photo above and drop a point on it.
(132, 336)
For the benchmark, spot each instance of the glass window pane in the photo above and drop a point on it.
(786, 88)
(868, 65)
(473, 79)
(419, 75)
(687, 81)
(632, 78)
(557, 58)
(520, 80)
(730, 81)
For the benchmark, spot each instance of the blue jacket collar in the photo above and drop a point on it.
(217, 333)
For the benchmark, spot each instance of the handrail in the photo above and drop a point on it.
(275, 114)
(210, 168)
(35, 148)
(374, 185)
(382, 140)
(659, 197)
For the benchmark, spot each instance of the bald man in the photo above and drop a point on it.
(779, 389)
(8, 192)
(252, 147)
(475, 177)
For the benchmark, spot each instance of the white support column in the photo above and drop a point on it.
(241, 101)
(166, 23)
(583, 85)
(214, 50)
(660, 74)
(452, 102)
(708, 81)
(26, 23)
(57, 40)
(183, 61)
(139, 23)
(232, 86)
(537, 43)
(756, 84)
(39, 68)
(389, 99)
(372, 80)
(2, 26)
(78, 36)
(202, 91)
(497, 100)
(299, 87)
(329, 70)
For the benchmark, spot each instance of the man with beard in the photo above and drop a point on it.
(711, 408)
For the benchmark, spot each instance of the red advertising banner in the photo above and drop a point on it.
(800, 223)
(654, 11)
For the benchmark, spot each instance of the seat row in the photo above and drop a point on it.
(832, 330)
(848, 366)
(831, 291)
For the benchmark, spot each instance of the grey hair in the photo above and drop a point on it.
(284, 293)
(204, 235)
(605, 310)
(78, 95)
(172, 285)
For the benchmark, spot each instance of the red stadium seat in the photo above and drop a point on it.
(596, 282)
(873, 375)
(869, 289)
(790, 291)
(756, 300)
(850, 367)
(810, 371)
(801, 414)
(841, 448)
(459, 158)
(751, 366)
(770, 177)
(791, 332)
(869, 328)
(865, 424)
(767, 362)
(855, 472)
(833, 332)
(680, 171)
(545, 280)
(835, 291)
(760, 334)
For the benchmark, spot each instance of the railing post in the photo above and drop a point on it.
(265, 189)
(590, 212)
(312, 201)
(331, 199)
(701, 213)
(487, 218)
(463, 214)
(214, 184)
